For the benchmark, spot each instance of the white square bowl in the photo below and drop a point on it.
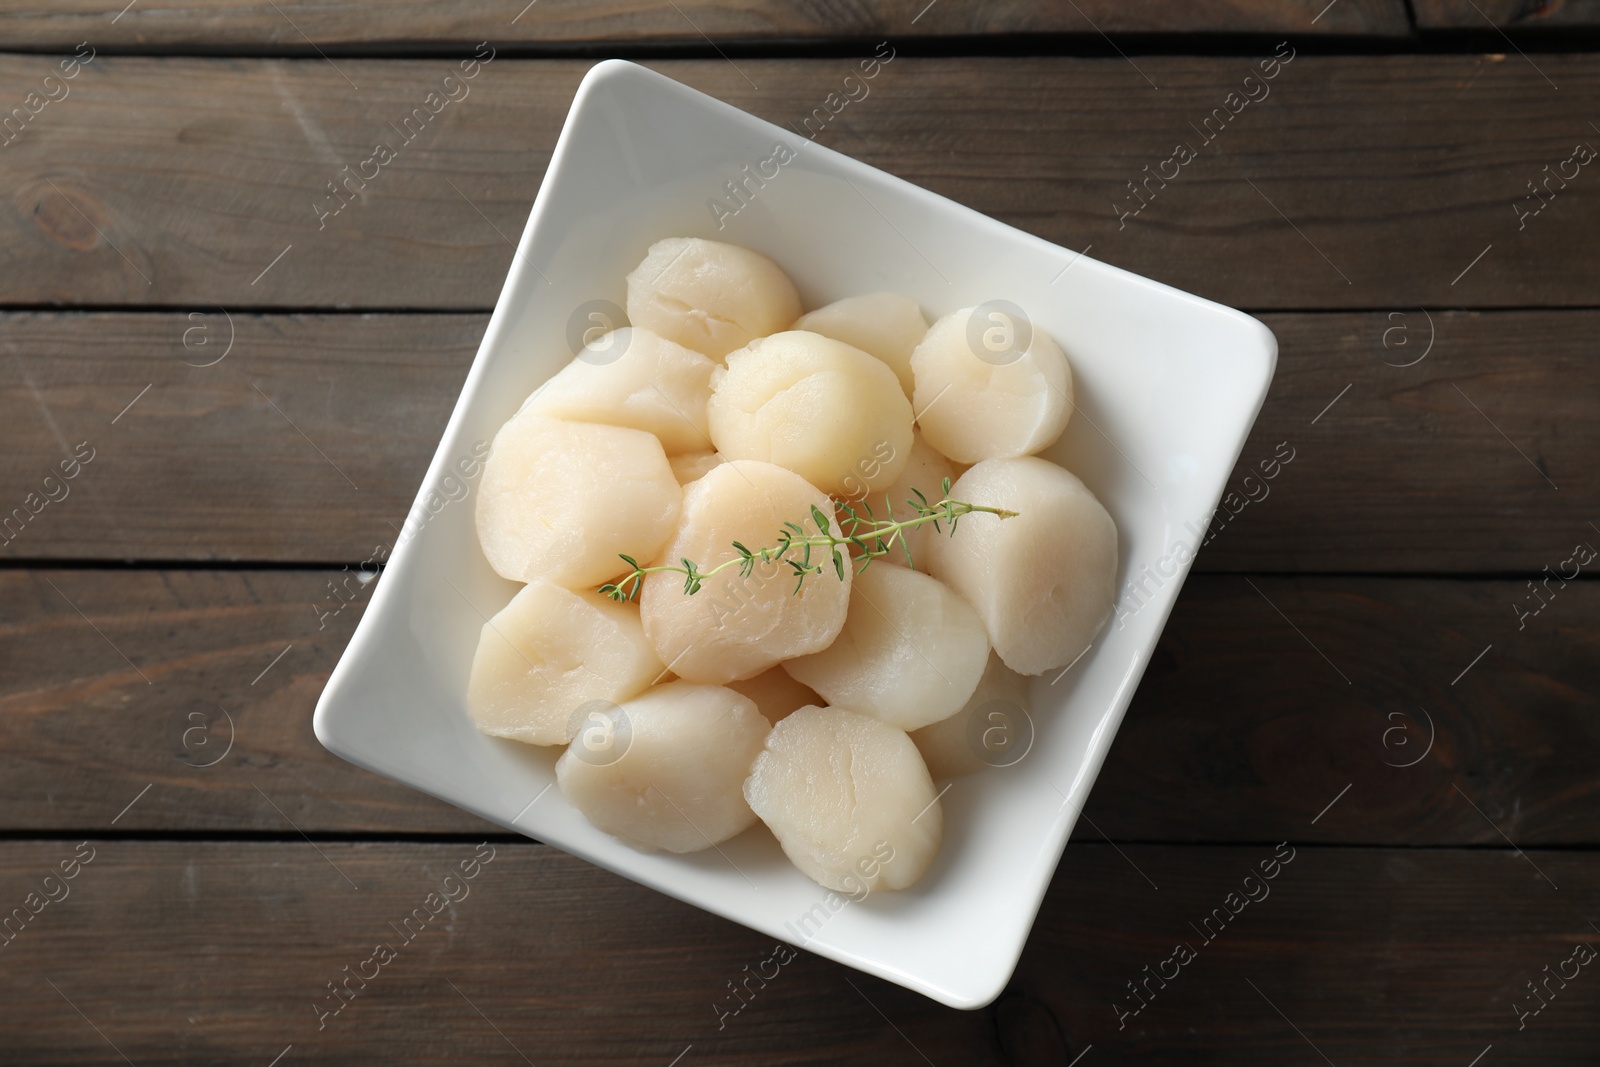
(1167, 387)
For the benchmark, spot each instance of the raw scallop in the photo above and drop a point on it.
(709, 296)
(925, 470)
(692, 466)
(635, 378)
(848, 798)
(990, 385)
(1044, 582)
(886, 326)
(776, 693)
(736, 627)
(666, 771)
(827, 411)
(561, 500)
(549, 652)
(911, 651)
(994, 729)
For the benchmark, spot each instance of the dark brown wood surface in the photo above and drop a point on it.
(307, 443)
(1350, 669)
(224, 951)
(1472, 458)
(1359, 182)
(210, 707)
(200, 683)
(303, 442)
(1268, 696)
(1481, 15)
(250, 23)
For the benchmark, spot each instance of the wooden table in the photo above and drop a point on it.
(246, 401)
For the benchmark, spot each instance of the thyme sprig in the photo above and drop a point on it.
(861, 531)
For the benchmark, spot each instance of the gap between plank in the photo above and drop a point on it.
(500, 837)
(1570, 40)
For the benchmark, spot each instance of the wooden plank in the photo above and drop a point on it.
(1240, 731)
(1447, 716)
(1361, 955)
(197, 684)
(1357, 955)
(304, 441)
(247, 459)
(1480, 444)
(247, 23)
(1484, 15)
(1293, 203)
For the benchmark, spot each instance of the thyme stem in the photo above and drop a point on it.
(872, 537)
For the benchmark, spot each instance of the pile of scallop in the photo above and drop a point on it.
(745, 597)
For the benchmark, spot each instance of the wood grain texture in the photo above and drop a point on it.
(1267, 697)
(547, 960)
(1553, 15)
(1240, 731)
(248, 459)
(1481, 444)
(1358, 182)
(344, 24)
(1353, 956)
(199, 684)
(307, 440)
(160, 711)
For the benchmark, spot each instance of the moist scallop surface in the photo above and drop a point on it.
(886, 326)
(994, 728)
(666, 769)
(738, 625)
(924, 472)
(560, 500)
(911, 651)
(822, 408)
(549, 652)
(635, 378)
(842, 791)
(710, 296)
(990, 385)
(1043, 581)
